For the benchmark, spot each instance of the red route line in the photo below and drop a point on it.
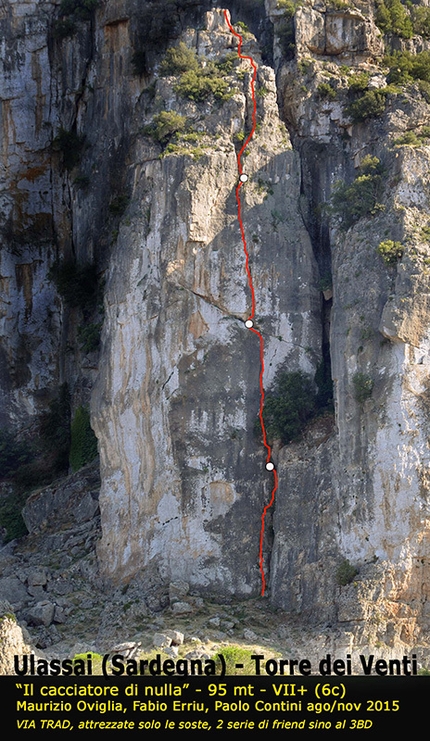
(251, 288)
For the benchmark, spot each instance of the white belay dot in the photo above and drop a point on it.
(270, 466)
(243, 178)
(249, 323)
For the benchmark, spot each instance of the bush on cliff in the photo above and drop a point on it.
(360, 197)
(393, 17)
(83, 448)
(289, 406)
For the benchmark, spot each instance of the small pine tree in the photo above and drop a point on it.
(289, 406)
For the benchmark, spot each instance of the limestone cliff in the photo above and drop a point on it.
(96, 175)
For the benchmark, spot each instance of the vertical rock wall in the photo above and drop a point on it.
(361, 496)
(183, 475)
(29, 323)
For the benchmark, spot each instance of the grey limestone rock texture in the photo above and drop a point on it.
(12, 643)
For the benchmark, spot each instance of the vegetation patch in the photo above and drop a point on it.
(363, 387)
(83, 448)
(118, 205)
(393, 17)
(78, 285)
(196, 82)
(359, 82)
(326, 91)
(370, 105)
(289, 406)
(391, 252)
(406, 67)
(179, 59)
(345, 573)
(11, 517)
(285, 30)
(359, 198)
(403, 20)
(71, 13)
(421, 20)
(70, 144)
(165, 125)
(200, 85)
(89, 336)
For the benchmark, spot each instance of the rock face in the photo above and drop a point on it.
(186, 479)
(175, 387)
(361, 494)
(12, 642)
(30, 325)
(344, 33)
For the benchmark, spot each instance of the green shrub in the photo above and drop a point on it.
(363, 387)
(338, 5)
(289, 7)
(201, 84)
(325, 90)
(390, 251)
(358, 83)
(227, 64)
(71, 12)
(370, 105)
(424, 88)
(177, 148)
(289, 406)
(393, 17)
(83, 448)
(286, 35)
(285, 27)
(118, 205)
(77, 284)
(195, 81)
(11, 517)
(425, 233)
(360, 198)
(70, 144)
(409, 138)
(406, 67)
(345, 573)
(421, 20)
(179, 59)
(243, 28)
(63, 29)
(89, 336)
(165, 125)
